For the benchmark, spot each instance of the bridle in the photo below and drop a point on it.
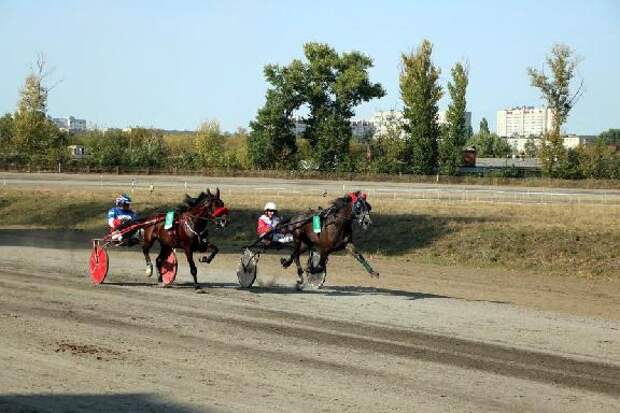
(214, 217)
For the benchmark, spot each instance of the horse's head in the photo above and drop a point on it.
(361, 209)
(216, 208)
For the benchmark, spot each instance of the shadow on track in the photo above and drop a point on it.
(119, 403)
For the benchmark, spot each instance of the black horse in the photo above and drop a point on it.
(336, 232)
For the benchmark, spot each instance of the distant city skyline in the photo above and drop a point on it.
(173, 66)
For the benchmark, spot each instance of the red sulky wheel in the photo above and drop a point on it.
(168, 269)
(98, 264)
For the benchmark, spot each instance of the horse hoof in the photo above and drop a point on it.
(374, 274)
(284, 262)
(149, 270)
(299, 286)
(199, 290)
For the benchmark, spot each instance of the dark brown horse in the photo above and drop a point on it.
(336, 232)
(188, 232)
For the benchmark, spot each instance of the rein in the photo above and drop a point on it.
(211, 217)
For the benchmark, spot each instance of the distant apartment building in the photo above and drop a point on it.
(380, 123)
(70, 124)
(359, 128)
(383, 121)
(362, 128)
(442, 119)
(524, 121)
(388, 121)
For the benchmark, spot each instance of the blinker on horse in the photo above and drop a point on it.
(189, 231)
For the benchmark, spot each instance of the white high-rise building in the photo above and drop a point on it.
(70, 124)
(524, 121)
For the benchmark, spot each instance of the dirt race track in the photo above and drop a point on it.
(421, 338)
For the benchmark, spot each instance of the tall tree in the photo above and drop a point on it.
(330, 85)
(271, 143)
(555, 90)
(456, 131)
(484, 126)
(35, 136)
(420, 93)
(334, 85)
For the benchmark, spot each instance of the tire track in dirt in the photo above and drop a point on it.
(530, 365)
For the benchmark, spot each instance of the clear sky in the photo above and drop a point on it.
(173, 64)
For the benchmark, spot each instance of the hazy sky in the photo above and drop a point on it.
(173, 64)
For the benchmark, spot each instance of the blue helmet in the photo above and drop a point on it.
(123, 200)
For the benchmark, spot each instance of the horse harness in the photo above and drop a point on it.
(211, 217)
(331, 212)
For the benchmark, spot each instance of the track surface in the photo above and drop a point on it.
(393, 344)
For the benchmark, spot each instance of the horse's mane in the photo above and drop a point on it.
(190, 202)
(341, 202)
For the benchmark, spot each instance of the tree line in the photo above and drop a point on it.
(322, 91)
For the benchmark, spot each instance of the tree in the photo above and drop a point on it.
(330, 85)
(530, 148)
(209, 145)
(334, 84)
(556, 92)
(271, 143)
(420, 93)
(109, 148)
(6, 132)
(484, 127)
(610, 137)
(391, 145)
(489, 145)
(35, 136)
(146, 148)
(598, 161)
(456, 131)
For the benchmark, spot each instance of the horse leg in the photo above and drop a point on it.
(214, 250)
(298, 249)
(360, 258)
(146, 247)
(300, 272)
(189, 254)
(163, 253)
(320, 267)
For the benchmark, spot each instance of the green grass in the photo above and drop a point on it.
(565, 240)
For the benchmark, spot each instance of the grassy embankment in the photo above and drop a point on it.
(565, 240)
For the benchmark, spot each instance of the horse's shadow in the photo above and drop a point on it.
(340, 291)
(328, 291)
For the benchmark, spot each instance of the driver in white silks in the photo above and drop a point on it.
(267, 224)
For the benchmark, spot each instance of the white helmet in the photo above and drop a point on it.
(270, 206)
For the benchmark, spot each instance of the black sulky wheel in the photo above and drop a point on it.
(246, 271)
(315, 280)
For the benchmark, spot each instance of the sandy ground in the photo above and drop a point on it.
(420, 338)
